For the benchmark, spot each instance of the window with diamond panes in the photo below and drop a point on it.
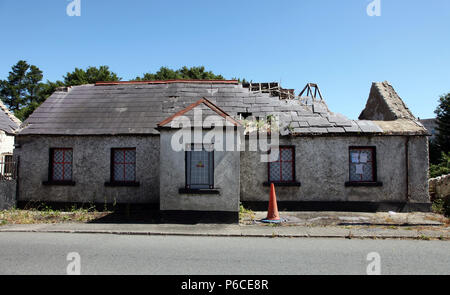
(61, 164)
(200, 169)
(282, 170)
(124, 165)
(362, 164)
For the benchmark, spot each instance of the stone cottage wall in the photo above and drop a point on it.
(91, 169)
(322, 168)
(7, 194)
(440, 186)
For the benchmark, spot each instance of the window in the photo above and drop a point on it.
(200, 169)
(362, 164)
(123, 165)
(61, 164)
(283, 170)
(8, 165)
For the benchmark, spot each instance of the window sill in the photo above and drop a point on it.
(198, 191)
(54, 182)
(371, 183)
(278, 184)
(122, 183)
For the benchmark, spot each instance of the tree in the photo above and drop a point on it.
(22, 90)
(90, 76)
(442, 168)
(184, 73)
(443, 123)
(434, 152)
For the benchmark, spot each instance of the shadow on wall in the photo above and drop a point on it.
(133, 213)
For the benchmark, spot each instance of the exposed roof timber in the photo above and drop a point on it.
(309, 91)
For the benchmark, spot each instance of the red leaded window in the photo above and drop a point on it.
(200, 169)
(124, 165)
(61, 165)
(283, 170)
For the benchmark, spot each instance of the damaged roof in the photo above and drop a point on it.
(8, 122)
(138, 108)
(384, 104)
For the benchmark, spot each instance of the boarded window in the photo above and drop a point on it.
(283, 170)
(123, 165)
(61, 164)
(199, 169)
(362, 164)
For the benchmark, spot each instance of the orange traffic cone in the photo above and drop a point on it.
(272, 212)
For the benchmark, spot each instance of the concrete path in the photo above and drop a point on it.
(256, 230)
(298, 224)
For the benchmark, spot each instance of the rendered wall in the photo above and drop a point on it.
(6, 144)
(172, 171)
(322, 168)
(91, 169)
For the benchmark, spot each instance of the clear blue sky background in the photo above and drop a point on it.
(334, 43)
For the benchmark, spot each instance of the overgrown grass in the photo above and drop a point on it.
(245, 214)
(45, 214)
(441, 206)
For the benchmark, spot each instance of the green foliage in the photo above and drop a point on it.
(434, 152)
(22, 90)
(442, 206)
(245, 213)
(442, 168)
(443, 122)
(184, 73)
(90, 76)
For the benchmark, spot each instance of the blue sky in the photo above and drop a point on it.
(331, 42)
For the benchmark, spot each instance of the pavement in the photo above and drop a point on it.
(391, 225)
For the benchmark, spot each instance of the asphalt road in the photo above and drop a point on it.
(46, 253)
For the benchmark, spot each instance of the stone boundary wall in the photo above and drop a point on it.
(439, 186)
(7, 194)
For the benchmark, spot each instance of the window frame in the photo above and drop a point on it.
(374, 181)
(211, 171)
(8, 166)
(281, 182)
(51, 178)
(113, 163)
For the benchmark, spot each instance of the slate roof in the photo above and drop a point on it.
(137, 108)
(8, 122)
(207, 108)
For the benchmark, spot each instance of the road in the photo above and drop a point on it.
(46, 253)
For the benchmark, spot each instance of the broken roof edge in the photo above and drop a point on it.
(14, 120)
(209, 104)
(384, 104)
(167, 82)
(402, 126)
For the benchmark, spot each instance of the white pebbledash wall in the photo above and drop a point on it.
(6, 145)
